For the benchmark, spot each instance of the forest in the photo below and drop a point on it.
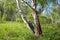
(29, 19)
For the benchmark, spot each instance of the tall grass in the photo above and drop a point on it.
(19, 31)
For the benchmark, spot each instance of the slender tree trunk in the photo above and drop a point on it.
(21, 13)
(38, 30)
(2, 11)
(22, 16)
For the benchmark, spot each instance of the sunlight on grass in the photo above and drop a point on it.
(19, 31)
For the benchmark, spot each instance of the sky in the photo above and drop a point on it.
(49, 8)
(59, 2)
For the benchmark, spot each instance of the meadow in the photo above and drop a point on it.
(19, 31)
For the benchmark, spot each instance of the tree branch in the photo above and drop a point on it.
(23, 17)
(30, 6)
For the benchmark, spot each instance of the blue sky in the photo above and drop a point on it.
(59, 2)
(49, 8)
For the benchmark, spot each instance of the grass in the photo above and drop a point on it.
(19, 31)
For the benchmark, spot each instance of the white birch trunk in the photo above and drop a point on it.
(21, 14)
(38, 30)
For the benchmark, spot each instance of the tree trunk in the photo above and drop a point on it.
(23, 17)
(38, 30)
(21, 13)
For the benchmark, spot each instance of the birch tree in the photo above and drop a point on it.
(36, 18)
(22, 15)
(37, 25)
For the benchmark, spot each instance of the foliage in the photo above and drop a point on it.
(19, 31)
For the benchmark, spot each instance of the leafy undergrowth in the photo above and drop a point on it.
(19, 31)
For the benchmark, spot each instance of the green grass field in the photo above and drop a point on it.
(19, 31)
